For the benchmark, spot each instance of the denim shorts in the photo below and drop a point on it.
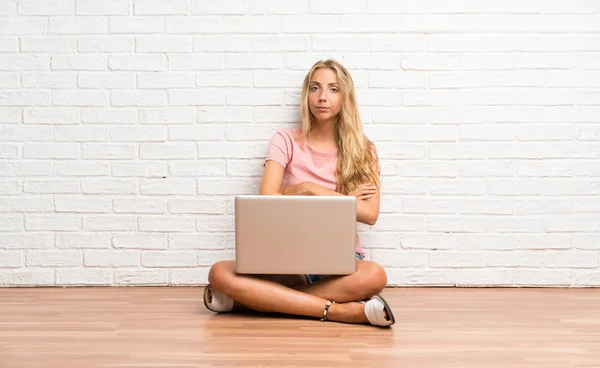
(314, 278)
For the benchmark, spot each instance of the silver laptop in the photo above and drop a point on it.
(277, 234)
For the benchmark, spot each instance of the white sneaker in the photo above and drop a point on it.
(217, 302)
(376, 309)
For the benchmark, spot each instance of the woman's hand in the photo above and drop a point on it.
(364, 191)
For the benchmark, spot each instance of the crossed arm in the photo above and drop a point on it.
(367, 197)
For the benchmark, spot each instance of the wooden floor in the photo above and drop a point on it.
(169, 327)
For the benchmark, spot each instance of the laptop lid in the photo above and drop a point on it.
(295, 234)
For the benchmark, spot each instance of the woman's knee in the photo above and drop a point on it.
(373, 279)
(220, 273)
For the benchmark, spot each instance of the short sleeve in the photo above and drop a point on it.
(280, 149)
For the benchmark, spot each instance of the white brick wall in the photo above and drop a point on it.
(127, 126)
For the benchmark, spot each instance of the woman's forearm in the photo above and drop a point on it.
(366, 211)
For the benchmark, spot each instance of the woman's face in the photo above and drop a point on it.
(324, 95)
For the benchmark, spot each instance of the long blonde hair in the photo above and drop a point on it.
(357, 158)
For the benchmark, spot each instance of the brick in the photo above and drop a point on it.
(169, 259)
(141, 169)
(215, 223)
(201, 241)
(429, 205)
(105, 7)
(106, 80)
(83, 277)
(111, 258)
(487, 277)
(141, 277)
(452, 186)
(514, 259)
(9, 7)
(138, 134)
(572, 259)
(205, 167)
(136, 25)
(189, 276)
(392, 258)
(210, 257)
(245, 168)
(586, 205)
(109, 223)
(105, 44)
(25, 98)
(167, 7)
(11, 259)
(81, 168)
(584, 278)
(228, 186)
(83, 240)
(228, 24)
(77, 25)
(51, 115)
(455, 224)
(197, 206)
(225, 149)
(11, 186)
(26, 204)
(25, 168)
(170, 115)
(232, 114)
(29, 240)
(56, 222)
(51, 150)
(9, 151)
(542, 277)
(160, 44)
(20, 133)
(165, 80)
(54, 258)
(47, 186)
(27, 277)
(23, 25)
(195, 62)
(429, 277)
(137, 62)
(108, 186)
(138, 98)
(80, 98)
(167, 186)
(462, 259)
(50, 44)
(140, 241)
(9, 80)
(166, 224)
(198, 132)
(222, 7)
(108, 151)
(266, 7)
(83, 204)
(254, 61)
(78, 133)
(168, 151)
(216, 43)
(196, 97)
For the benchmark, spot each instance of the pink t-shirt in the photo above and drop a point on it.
(303, 163)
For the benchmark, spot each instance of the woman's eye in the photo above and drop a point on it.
(314, 88)
(334, 90)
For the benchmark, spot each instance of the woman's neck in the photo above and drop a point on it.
(322, 136)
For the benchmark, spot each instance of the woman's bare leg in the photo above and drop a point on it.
(368, 280)
(266, 295)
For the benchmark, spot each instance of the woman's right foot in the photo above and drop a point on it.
(217, 302)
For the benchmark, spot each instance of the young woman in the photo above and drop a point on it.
(328, 155)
